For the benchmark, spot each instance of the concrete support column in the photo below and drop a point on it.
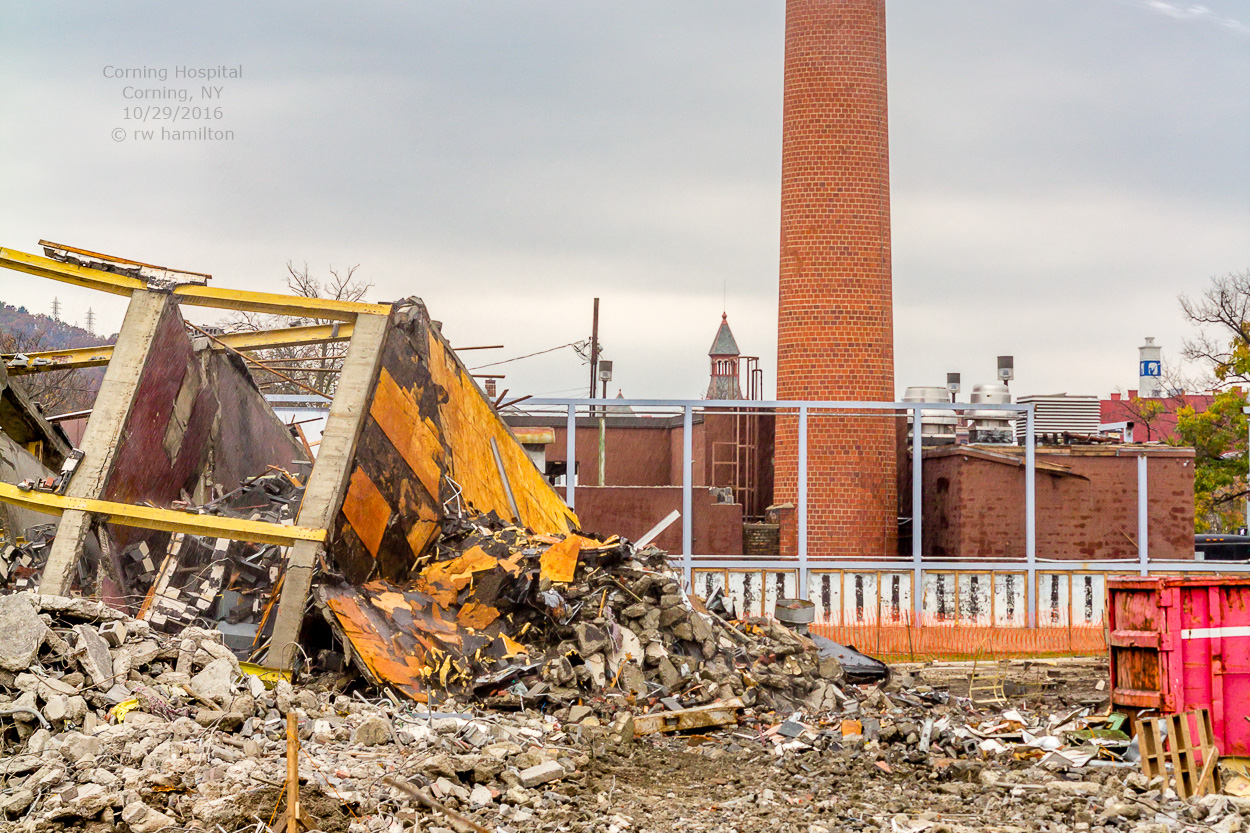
(104, 433)
(327, 483)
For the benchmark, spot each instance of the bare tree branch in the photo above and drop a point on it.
(321, 360)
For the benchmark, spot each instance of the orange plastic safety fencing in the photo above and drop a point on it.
(931, 638)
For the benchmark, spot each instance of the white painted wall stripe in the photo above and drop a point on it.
(1212, 633)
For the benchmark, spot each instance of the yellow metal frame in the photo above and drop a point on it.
(169, 520)
(193, 294)
(81, 357)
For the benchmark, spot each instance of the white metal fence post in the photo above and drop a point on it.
(802, 507)
(1030, 511)
(917, 511)
(1143, 517)
(570, 455)
(687, 486)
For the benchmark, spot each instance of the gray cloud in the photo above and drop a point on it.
(1061, 170)
(1194, 11)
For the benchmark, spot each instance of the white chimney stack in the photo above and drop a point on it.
(1150, 374)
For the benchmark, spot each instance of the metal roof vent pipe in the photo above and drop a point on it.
(937, 427)
(795, 614)
(857, 668)
(997, 427)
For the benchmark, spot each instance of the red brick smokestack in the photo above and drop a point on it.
(835, 335)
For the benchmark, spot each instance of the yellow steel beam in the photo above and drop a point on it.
(169, 520)
(245, 301)
(46, 267)
(287, 337)
(260, 340)
(73, 359)
(194, 294)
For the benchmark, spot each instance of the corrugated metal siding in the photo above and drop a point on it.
(1061, 412)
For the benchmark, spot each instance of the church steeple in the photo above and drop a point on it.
(724, 356)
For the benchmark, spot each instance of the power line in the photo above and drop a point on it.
(526, 356)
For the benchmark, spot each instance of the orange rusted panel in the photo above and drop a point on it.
(366, 510)
(398, 415)
(476, 616)
(559, 562)
(402, 639)
(469, 423)
(420, 535)
(404, 671)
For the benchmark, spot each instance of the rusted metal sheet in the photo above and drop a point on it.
(426, 444)
(559, 562)
(467, 606)
(1178, 644)
(469, 424)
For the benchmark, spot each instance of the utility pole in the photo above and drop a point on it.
(56, 311)
(90, 320)
(594, 351)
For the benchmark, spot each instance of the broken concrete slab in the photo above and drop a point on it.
(214, 682)
(541, 774)
(720, 713)
(22, 632)
(92, 651)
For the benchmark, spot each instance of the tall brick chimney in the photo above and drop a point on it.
(835, 336)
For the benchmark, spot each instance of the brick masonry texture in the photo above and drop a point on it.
(975, 507)
(835, 328)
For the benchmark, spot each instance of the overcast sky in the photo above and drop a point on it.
(1061, 170)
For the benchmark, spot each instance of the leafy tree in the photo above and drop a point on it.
(1218, 437)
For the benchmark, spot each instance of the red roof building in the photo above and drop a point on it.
(1149, 423)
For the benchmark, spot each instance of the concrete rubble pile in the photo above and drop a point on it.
(512, 618)
(105, 721)
(176, 735)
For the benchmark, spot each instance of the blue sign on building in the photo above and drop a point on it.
(1151, 369)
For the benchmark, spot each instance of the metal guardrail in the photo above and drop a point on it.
(917, 564)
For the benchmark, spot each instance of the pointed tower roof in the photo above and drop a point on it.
(620, 410)
(725, 344)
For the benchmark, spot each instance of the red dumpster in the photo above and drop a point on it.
(1180, 643)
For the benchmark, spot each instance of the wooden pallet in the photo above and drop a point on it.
(1180, 752)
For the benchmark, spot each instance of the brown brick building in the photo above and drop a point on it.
(835, 328)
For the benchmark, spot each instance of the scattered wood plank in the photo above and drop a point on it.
(720, 713)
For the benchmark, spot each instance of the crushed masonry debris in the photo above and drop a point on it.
(514, 617)
(107, 724)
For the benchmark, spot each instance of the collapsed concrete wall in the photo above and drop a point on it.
(410, 441)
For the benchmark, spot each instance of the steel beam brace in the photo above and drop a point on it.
(193, 294)
(168, 520)
(81, 357)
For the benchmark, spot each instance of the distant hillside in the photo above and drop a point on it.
(27, 327)
(22, 331)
